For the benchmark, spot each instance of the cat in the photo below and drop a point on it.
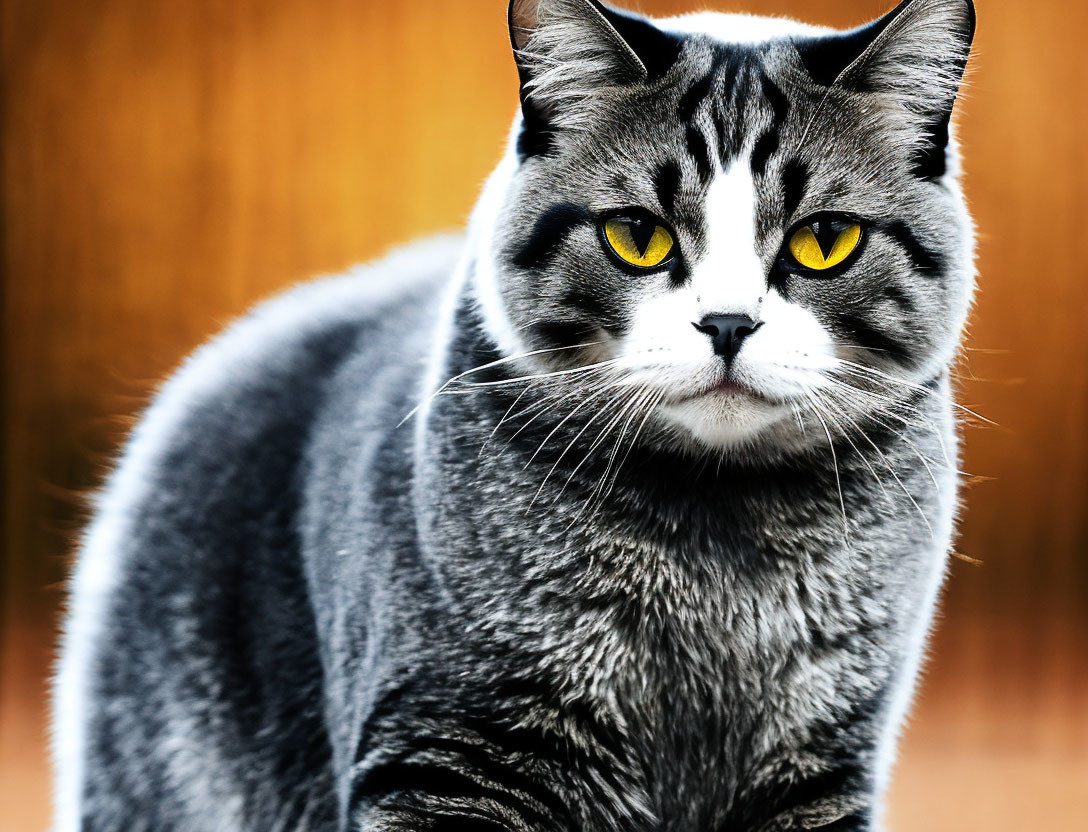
(627, 511)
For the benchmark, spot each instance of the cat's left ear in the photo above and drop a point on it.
(914, 59)
(568, 51)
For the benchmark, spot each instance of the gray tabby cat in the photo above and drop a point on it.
(662, 552)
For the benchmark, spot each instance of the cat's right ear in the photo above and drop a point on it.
(567, 51)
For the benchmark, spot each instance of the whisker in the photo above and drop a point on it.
(597, 442)
(565, 419)
(641, 399)
(876, 374)
(489, 365)
(843, 386)
(838, 479)
(506, 416)
(861, 456)
(556, 400)
(570, 445)
(651, 404)
(891, 470)
(914, 448)
(476, 385)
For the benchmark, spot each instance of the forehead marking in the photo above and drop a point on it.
(795, 178)
(720, 87)
(697, 93)
(769, 141)
(667, 185)
(699, 151)
(730, 106)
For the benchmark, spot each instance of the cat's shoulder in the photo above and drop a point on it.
(270, 367)
(240, 402)
(370, 293)
(285, 335)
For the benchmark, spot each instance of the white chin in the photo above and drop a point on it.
(723, 420)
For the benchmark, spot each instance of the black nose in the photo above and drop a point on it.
(727, 332)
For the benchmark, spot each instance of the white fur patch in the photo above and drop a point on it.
(739, 28)
(485, 277)
(730, 279)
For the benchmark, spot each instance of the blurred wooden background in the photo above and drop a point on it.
(167, 162)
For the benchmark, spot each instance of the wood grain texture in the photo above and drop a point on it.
(167, 162)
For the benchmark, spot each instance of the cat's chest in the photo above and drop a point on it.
(711, 630)
(707, 668)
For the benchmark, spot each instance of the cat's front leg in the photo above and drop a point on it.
(837, 798)
(463, 790)
(826, 818)
(832, 814)
(423, 810)
(405, 819)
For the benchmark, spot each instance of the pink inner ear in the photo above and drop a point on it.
(524, 18)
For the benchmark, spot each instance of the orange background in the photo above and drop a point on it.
(167, 162)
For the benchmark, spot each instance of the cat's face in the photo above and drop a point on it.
(750, 223)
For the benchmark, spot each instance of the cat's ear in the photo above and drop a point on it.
(567, 51)
(914, 59)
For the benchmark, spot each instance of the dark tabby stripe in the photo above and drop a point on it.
(778, 805)
(562, 333)
(699, 151)
(609, 316)
(436, 780)
(549, 231)
(727, 68)
(868, 337)
(388, 707)
(794, 183)
(619, 181)
(921, 257)
(583, 301)
(735, 70)
(546, 746)
(480, 758)
(667, 185)
(767, 144)
(724, 135)
(737, 73)
(696, 94)
(900, 298)
(854, 822)
(448, 822)
(840, 782)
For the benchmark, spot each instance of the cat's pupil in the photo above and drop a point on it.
(642, 233)
(827, 233)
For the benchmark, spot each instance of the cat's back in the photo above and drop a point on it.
(201, 510)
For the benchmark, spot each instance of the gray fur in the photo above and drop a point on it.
(546, 602)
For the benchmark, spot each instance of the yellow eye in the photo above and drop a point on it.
(825, 243)
(640, 241)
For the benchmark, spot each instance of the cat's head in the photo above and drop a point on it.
(748, 222)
